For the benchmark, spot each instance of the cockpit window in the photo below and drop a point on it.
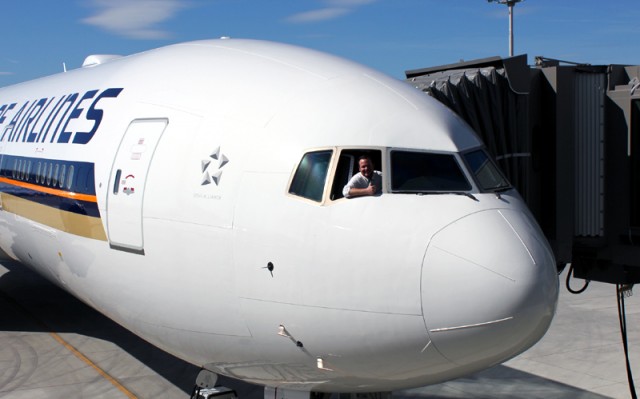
(310, 177)
(416, 172)
(485, 171)
(348, 166)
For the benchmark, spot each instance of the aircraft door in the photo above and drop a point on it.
(127, 183)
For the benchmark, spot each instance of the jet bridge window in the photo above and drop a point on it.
(416, 172)
(485, 171)
(311, 175)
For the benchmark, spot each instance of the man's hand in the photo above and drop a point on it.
(371, 189)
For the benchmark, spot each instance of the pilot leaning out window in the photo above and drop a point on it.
(366, 182)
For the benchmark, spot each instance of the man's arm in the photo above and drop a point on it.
(361, 192)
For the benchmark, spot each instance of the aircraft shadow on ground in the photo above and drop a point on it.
(36, 305)
(30, 303)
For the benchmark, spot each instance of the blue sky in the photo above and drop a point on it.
(389, 35)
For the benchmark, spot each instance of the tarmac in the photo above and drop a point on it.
(53, 346)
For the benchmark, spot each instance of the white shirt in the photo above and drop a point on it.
(359, 181)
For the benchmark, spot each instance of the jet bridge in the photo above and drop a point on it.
(568, 137)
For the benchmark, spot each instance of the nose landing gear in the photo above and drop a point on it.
(206, 388)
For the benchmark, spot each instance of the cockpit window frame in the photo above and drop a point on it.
(480, 188)
(385, 168)
(464, 169)
(331, 173)
(328, 176)
(362, 150)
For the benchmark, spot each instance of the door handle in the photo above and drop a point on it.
(116, 184)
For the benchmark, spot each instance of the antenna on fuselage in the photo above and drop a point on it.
(64, 67)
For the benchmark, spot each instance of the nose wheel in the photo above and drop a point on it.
(206, 388)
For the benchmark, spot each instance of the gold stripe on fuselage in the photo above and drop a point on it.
(70, 222)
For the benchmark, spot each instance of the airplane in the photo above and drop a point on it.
(193, 194)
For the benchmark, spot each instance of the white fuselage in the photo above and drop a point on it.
(184, 228)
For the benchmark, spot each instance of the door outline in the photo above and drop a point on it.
(125, 196)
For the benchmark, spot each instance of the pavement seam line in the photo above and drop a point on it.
(88, 361)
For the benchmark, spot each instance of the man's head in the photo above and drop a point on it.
(365, 166)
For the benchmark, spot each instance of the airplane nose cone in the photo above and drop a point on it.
(505, 287)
